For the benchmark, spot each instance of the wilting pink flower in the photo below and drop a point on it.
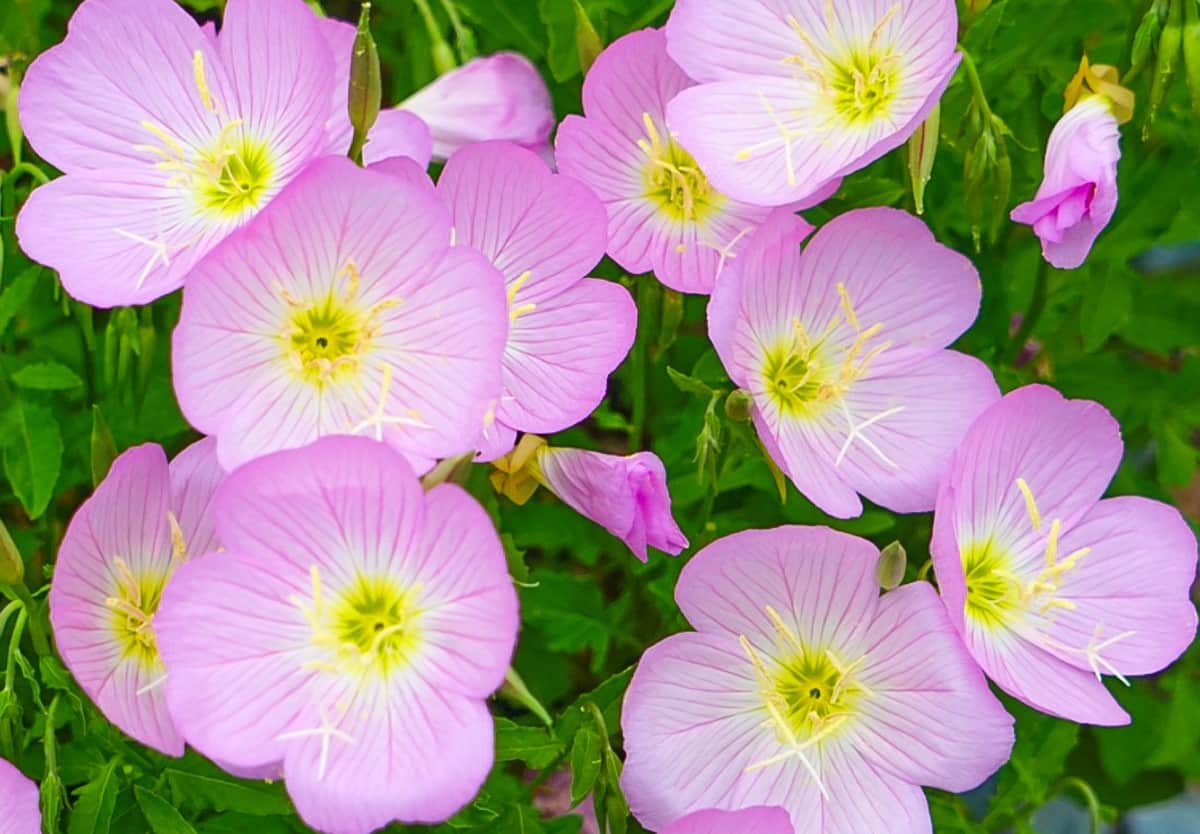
(342, 309)
(171, 136)
(795, 93)
(1078, 195)
(1050, 586)
(552, 798)
(123, 545)
(663, 214)
(350, 632)
(756, 820)
(395, 133)
(19, 812)
(627, 496)
(842, 348)
(566, 333)
(802, 688)
(499, 96)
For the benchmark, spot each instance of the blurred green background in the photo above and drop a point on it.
(1123, 330)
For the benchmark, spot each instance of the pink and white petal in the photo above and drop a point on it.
(417, 755)
(899, 429)
(693, 721)
(1131, 591)
(274, 411)
(923, 294)
(632, 78)
(1066, 451)
(862, 797)
(598, 155)
(930, 718)
(806, 450)
(444, 343)
(496, 441)
(83, 103)
(281, 73)
(464, 582)
(559, 355)
(195, 475)
(712, 41)
(723, 312)
(344, 504)
(821, 583)
(1032, 675)
(116, 238)
(19, 805)
(756, 138)
(758, 819)
(505, 202)
(398, 133)
(236, 651)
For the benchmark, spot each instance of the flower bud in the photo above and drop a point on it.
(672, 317)
(515, 476)
(922, 148)
(587, 39)
(12, 567)
(366, 83)
(737, 406)
(1191, 50)
(1170, 45)
(893, 560)
(1145, 36)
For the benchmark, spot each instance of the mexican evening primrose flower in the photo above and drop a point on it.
(19, 812)
(145, 519)
(1078, 195)
(350, 632)
(663, 215)
(566, 333)
(759, 820)
(841, 347)
(171, 136)
(343, 309)
(795, 93)
(805, 689)
(1051, 587)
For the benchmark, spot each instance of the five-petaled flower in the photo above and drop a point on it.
(805, 689)
(1051, 587)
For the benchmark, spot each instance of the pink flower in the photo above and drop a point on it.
(756, 820)
(795, 93)
(842, 348)
(500, 96)
(663, 214)
(342, 309)
(351, 633)
(803, 688)
(1078, 196)
(1050, 586)
(170, 137)
(19, 812)
(566, 333)
(627, 496)
(122, 547)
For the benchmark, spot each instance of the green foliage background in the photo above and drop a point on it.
(1123, 330)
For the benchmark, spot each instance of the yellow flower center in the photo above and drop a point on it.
(372, 627)
(864, 87)
(673, 180)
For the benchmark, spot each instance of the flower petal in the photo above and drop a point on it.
(195, 476)
(18, 802)
(755, 820)
(715, 39)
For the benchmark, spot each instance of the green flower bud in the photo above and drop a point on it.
(893, 560)
(1170, 46)
(104, 448)
(1191, 50)
(1145, 36)
(587, 39)
(922, 148)
(12, 567)
(738, 405)
(366, 83)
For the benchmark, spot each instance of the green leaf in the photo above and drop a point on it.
(1038, 759)
(95, 802)
(689, 384)
(15, 296)
(607, 696)
(587, 757)
(1106, 304)
(256, 799)
(532, 745)
(33, 451)
(562, 54)
(1175, 455)
(47, 376)
(161, 814)
(104, 448)
(519, 819)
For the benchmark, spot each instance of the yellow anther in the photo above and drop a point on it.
(847, 306)
(164, 137)
(351, 273)
(515, 287)
(1031, 507)
(201, 81)
(652, 132)
(1052, 542)
(782, 629)
(178, 542)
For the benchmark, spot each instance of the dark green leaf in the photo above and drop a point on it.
(47, 376)
(94, 805)
(33, 451)
(532, 745)
(162, 815)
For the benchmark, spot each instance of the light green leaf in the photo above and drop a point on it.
(94, 805)
(257, 799)
(587, 757)
(47, 376)
(33, 452)
(161, 814)
(532, 745)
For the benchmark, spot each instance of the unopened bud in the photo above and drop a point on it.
(516, 473)
(672, 317)
(738, 405)
(893, 560)
(104, 448)
(12, 122)
(587, 39)
(922, 148)
(443, 57)
(1144, 37)
(12, 567)
(53, 799)
(366, 83)
(1191, 50)
(1170, 46)
(978, 7)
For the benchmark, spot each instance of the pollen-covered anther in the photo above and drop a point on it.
(515, 311)
(672, 177)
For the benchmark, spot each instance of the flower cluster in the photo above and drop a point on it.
(301, 596)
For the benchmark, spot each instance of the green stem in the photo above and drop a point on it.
(30, 169)
(431, 24)
(968, 65)
(40, 643)
(10, 666)
(640, 356)
(1089, 796)
(461, 33)
(1036, 307)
